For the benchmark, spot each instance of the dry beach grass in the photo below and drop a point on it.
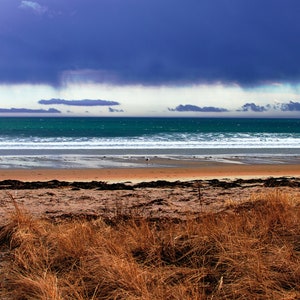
(249, 250)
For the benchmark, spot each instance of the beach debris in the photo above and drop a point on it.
(53, 184)
(102, 185)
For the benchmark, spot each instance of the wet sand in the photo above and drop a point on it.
(184, 173)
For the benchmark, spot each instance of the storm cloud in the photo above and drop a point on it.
(29, 111)
(84, 102)
(194, 108)
(291, 106)
(254, 108)
(149, 42)
(113, 110)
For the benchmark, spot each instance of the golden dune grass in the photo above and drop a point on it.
(250, 251)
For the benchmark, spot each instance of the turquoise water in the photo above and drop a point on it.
(53, 139)
(134, 127)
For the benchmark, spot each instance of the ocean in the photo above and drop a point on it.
(34, 142)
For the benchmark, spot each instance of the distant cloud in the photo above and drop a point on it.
(291, 106)
(194, 108)
(284, 107)
(112, 110)
(84, 102)
(35, 6)
(253, 107)
(30, 111)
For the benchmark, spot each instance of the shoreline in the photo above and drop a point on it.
(190, 172)
(88, 161)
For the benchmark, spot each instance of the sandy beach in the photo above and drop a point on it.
(169, 192)
(197, 171)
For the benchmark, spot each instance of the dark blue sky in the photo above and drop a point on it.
(157, 57)
(150, 42)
